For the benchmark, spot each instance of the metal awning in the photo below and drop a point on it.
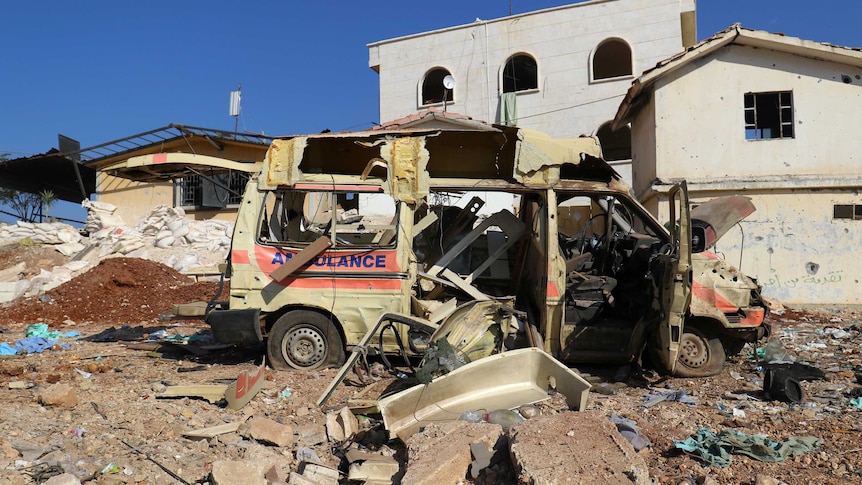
(52, 171)
(160, 167)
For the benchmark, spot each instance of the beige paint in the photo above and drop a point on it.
(692, 127)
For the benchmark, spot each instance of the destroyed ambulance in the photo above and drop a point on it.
(496, 237)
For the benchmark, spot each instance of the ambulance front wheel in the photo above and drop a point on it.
(304, 340)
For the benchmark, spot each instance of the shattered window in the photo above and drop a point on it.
(211, 191)
(521, 73)
(769, 115)
(616, 144)
(349, 219)
(613, 58)
(433, 90)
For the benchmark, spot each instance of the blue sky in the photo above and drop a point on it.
(98, 70)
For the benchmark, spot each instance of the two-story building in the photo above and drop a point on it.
(774, 118)
(561, 70)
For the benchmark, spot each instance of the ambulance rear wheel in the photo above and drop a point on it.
(304, 340)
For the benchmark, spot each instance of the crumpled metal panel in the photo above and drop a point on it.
(536, 150)
(501, 381)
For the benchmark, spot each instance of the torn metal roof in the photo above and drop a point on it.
(735, 34)
(53, 171)
(160, 139)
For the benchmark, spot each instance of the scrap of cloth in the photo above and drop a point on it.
(716, 449)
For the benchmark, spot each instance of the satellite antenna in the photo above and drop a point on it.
(448, 84)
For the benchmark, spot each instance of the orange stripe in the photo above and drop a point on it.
(711, 296)
(239, 256)
(341, 284)
(753, 317)
(552, 290)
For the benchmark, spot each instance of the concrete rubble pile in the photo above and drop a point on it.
(166, 236)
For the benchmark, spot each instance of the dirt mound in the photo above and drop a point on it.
(116, 291)
(35, 259)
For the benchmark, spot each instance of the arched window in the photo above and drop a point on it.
(616, 145)
(433, 90)
(521, 73)
(612, 58)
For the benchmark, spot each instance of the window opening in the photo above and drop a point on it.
(613, 58)
(202, 192)
(433, 90)
(521, 73)
(350, 219)
(847, 211)
(616, 144)
(768, 115)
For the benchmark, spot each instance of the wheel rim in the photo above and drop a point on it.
(694, 351)
(304, 346)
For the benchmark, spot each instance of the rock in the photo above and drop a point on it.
(64, 479)
(574, 447)
(440, 454)
(232, 472)
(60, 395)
(269, 431)
(767, 480)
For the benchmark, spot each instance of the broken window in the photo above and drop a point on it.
(616, 144)
(769, 115)
(521, 73)
(847, 211)
(612, 58)
(433, 90)
(210, 191)
(349, 219)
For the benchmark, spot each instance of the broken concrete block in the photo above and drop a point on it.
(342, 425)
(320, 474)
(231, 472)
(440, 454)
(61, 395)
(576, 448)
(297, 479)
(268, 431)
(310, 435)
(275, 475)
(372, 467)
(64, 479)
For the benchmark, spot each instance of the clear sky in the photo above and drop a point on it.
(101, 70)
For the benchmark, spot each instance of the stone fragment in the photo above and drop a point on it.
(60, 395)
(232, 472)
(440, 454)
(269, 431)
(64, 479)
(574, 448)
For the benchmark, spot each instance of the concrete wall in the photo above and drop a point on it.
(700, 114)
(562, 39)
(135, 200)
(796, 250)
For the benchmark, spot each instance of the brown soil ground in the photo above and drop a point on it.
(35, 259)
(116, 291)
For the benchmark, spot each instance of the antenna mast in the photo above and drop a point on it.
(235, 99)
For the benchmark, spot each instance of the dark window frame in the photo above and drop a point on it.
(188, 191)
(520, 73)
(433, 92)
(850, 212)
(768, 115)
(606, 62)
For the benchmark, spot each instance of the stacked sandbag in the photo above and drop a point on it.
(62, 237)
(100, 215)
(170, 228)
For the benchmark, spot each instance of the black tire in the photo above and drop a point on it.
(699, 355)
(304, 340)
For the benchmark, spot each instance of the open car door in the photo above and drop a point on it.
(674, 280)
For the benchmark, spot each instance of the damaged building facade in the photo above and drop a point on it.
(770, 117)
(562, 70)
